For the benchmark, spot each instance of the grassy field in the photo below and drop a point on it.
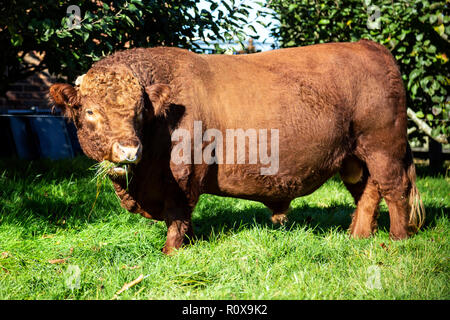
(55, 245)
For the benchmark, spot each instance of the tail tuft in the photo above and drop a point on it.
(417, 211)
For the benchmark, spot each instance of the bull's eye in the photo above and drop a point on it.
(89, 112)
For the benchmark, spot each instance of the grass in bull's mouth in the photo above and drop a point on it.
(106, 168)
(102, 170)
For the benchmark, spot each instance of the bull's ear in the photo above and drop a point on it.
(159, 95)
(66, 98)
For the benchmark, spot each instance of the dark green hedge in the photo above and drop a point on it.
(105, 26)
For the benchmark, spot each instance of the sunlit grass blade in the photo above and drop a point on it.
(102, 169)
(106, 168)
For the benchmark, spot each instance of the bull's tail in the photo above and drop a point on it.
(417, 210)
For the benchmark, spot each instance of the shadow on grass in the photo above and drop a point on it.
(319, 220)
(47, 169)
(48, 215)
(51, 195)
(230, 220)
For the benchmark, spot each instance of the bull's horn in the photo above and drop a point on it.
(79, 80)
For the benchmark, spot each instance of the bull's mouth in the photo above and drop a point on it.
(112, 169)
(119, 170)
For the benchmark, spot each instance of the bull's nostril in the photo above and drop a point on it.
(133, 159)
(128, 153)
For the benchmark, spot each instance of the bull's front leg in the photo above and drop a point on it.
(179, 228)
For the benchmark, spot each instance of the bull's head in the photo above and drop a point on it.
(109, 109)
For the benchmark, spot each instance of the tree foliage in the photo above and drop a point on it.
(416, 32)
(104, 27)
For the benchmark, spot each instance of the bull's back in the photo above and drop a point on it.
(308, 94)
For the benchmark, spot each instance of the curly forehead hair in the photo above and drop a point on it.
(118, 86)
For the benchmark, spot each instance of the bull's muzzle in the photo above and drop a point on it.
(126, 153)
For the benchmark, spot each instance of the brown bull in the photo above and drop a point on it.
(332, 108)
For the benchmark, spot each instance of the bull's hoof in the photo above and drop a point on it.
(168, 250)
(279, 219)
(360, 235)
(171, 250)
(398, 235)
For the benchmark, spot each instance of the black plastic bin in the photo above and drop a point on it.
(32, 134)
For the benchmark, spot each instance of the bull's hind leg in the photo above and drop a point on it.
(365, 193)
(364, 222)
(391, 176)
(279, 211)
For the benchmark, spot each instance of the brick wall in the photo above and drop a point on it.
(27, 93)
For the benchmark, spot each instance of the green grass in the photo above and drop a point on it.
(46, 213)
